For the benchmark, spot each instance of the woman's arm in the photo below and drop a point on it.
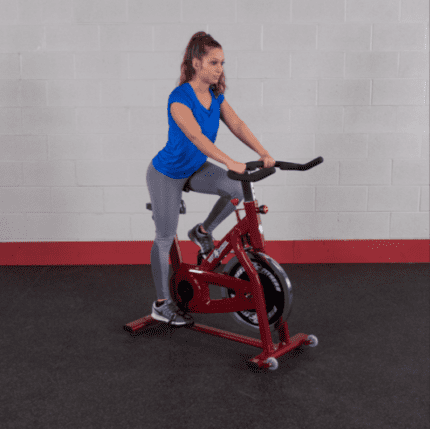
(243, 133)
(184, 118)
(240, 129)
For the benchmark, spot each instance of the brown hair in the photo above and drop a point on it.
(198, 47)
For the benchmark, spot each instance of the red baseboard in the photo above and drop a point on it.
(139, 252)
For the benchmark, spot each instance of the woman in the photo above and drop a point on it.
(194, 110)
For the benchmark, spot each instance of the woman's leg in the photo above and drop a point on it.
(211, 179)
(165, 196)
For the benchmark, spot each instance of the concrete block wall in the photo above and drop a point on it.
(83, 95)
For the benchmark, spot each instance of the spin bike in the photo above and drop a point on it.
(255, 289)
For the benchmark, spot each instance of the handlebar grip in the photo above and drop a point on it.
(265, 172)
(293, 166)
(252, 177)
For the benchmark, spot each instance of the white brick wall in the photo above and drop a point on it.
(83, 94)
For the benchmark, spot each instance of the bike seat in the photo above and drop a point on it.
(187, 187)
(182, 209)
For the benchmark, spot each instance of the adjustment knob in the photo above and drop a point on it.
(235, 201)
(263, 209)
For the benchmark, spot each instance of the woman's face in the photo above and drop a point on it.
(211, 66)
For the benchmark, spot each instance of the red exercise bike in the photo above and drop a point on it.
(254, 287)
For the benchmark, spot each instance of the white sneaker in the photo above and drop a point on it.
(167, 311)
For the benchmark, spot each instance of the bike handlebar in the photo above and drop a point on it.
(265, 172)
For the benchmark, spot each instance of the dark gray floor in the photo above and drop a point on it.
(66, 361)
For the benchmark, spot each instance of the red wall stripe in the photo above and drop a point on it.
(138, 252)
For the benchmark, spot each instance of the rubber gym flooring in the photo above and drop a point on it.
(67, 362)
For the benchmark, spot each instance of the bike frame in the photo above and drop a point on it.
(249, 294)
(202, 275)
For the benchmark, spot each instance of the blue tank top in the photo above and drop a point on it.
(180, 158)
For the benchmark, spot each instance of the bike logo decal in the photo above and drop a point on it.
(217, 252)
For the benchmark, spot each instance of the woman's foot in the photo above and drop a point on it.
(203, 240)
(167, 311)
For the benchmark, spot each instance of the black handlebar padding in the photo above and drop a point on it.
(252, 177)
(265, 172)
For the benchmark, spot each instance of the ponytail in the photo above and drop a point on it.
(198, 47)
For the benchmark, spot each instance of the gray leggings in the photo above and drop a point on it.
(166, 195)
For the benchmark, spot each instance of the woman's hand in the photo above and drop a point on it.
(268, 161)
(238, 167)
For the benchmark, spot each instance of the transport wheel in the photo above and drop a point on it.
(278, 292)
(313, 340)
(274, 365)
